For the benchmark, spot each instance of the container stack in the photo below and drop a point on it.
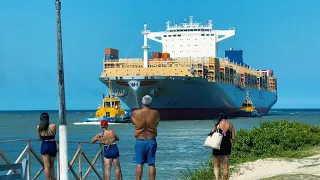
(217, 68)
(227, 73)
(232, 72)
(211, 60)
(246, 78)
(255, 80)
(156, 55)
(242, 78)
(111, 54)
(165, 55)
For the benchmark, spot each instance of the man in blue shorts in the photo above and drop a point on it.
(146, 121)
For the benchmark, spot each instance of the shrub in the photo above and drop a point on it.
(272, 139)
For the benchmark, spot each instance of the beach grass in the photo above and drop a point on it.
(275, 139)
(302, 153)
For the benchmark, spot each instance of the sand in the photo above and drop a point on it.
(266, 168)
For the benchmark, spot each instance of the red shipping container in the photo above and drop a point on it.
(111, 51)
(156, 55)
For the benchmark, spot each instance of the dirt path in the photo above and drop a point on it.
(260, 169)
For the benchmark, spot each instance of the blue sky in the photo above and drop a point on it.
(278, 35)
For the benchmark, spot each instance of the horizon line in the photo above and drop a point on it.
(125, 109)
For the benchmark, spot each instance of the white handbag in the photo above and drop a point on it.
(214, 140)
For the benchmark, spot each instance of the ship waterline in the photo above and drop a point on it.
(198, 113)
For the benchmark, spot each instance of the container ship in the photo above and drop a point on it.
(187, 80)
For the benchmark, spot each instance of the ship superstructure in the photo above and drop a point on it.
(189, 81)
(191, 39)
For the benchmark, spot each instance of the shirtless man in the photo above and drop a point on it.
(146, 121)
(110, 149)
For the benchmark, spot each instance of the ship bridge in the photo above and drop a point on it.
(190, 39)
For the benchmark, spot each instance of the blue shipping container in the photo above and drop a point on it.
(234, 55)
(149, 55)
(110, 57)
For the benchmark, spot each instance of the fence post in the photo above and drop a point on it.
(29, 160)
(58, 162)
(102, 162)
(80, 160)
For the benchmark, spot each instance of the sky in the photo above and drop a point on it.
(278, 35)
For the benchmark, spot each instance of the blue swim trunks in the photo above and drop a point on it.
(145, 151)
(111, 151)
(49, 147)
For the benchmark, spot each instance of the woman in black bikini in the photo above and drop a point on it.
(227, 130)
(47, 133)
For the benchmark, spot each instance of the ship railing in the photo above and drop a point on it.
(176, 59)
(79, 154)
(138, 63)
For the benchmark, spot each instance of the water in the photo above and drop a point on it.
(179, 142)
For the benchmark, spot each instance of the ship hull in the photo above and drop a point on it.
(186, 98)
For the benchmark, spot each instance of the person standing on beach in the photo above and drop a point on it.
(47, 133)
(110, 150)
(227, 130)
(145, 122)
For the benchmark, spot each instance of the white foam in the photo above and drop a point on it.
(93, 123)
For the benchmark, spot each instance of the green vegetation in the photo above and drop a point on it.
(272, 139)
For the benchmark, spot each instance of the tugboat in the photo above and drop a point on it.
(247, 109)
(109, 110)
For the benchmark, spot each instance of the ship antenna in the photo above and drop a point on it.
(190, 20)
(145, 46)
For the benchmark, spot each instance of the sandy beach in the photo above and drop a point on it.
(267, 168)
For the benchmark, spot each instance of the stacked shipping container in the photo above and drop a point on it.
(111, 54)
(234, 55)
(266, 72)
(232, 75)
(165, 55)
(158, 55)
(228, 74)
(216, 68)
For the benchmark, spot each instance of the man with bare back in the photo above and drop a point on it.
(146, 121)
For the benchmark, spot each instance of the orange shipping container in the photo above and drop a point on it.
(111, 51)
(165, 55)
